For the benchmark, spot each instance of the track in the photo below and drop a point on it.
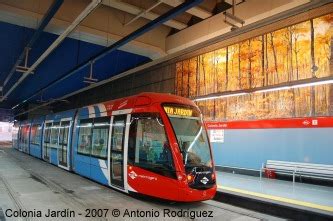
(11, 193)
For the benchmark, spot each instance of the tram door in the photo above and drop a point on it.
(117, 150)
(46, 141)
(63, 143)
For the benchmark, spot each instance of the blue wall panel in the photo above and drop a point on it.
(249, 148)
(68, 55)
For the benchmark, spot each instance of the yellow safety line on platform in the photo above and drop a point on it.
(278, 198)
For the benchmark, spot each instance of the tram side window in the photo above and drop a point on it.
(36, 132)
(55, 134)
(85, 132)
(100, 137)
(118, 131)
(20, 135)
(148, 145)
(33, 133)
(25, 134)
(63, 135)
(47, 133)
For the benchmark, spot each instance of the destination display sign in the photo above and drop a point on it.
(178, 111)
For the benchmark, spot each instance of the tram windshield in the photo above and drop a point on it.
(191, 135)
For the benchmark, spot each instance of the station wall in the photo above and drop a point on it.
(161, 79)
(6, 131)
(248, 144)
(272, 58)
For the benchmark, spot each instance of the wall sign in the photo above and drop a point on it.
(217, 136)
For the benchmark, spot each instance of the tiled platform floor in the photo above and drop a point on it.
(301, 195)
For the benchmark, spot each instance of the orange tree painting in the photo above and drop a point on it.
(297, 52)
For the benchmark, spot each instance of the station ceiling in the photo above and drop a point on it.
(106, 24)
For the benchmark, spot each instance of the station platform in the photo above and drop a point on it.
(29, 184)
(304, 197)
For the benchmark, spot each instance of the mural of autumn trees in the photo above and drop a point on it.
(293, 53)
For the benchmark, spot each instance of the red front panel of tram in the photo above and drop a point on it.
(152, 184)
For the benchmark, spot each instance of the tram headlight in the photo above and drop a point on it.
(213, 176)
(190, 178)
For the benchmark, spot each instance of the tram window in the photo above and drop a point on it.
(100, 137)
(85, 132)
(118, 132)
(64, 129)
(47, 132)
(24, 134)
(33, 133)
(19, 134)
(36, 132)
(54, 134)
(148, 145)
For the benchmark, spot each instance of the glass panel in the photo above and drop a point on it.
(117, 134)
(25, 138)
(47, 133)
(85, 129)
(148, 145)
(100, 137)
(54, 135)
(64, 130)
(117, 140)
(191, 135)
(63, 141)
(33, 133)
(36, 132)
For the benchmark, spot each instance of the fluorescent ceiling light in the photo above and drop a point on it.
(233, 95)
(222, 96)
(273, 89)
(312, 84)
(206, 98)
(15, 107)
(295, 86)
(268, 90)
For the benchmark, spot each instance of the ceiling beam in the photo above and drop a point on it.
(93, 4)
(131, 9)
(196, 11)
(88, 30)
(213, 27)
(44, 22)
(144, 29)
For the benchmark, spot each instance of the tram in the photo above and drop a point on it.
(151, 144)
